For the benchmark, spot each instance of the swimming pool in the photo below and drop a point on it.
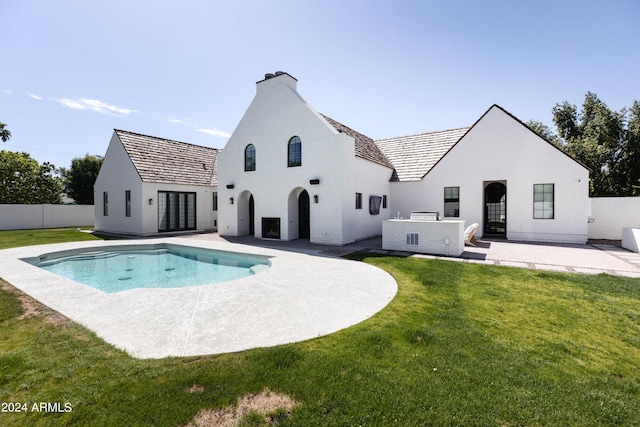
(121, 268)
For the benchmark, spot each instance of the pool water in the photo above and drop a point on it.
(155, 266)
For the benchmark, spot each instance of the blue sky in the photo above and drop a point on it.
(75, 70)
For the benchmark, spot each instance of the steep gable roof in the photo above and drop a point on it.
(531, 130)
(173, 162)
(413, 156)
(366, 148)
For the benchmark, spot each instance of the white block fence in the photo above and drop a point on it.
(22, 217)
(611, 214)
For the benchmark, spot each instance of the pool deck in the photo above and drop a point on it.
(299, 298)
(561, 257)
(308, 291)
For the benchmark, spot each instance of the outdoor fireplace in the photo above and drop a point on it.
(270, 228)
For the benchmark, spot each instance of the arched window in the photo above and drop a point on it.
(295, 152)
(250, 158)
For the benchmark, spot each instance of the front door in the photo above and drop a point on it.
(495, 209)
(304, 226)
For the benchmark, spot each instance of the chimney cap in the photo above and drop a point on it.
(269, 76)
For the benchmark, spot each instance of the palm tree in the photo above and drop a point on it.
(4, 133)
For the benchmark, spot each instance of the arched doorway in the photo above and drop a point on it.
(298, 214)
(495, 209)
(246, 214)
(304, 223)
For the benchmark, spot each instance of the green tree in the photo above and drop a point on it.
(80, 178)
(629, 169)
(544, 131)
(24, 180)
(595, 136)
(4, 133)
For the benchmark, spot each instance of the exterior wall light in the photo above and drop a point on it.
(315, 198)
(230, 200)
(150, 201)
(314, 181)
(230, 186)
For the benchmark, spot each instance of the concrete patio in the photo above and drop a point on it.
(573, 258)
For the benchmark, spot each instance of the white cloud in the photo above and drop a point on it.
(215, 132)
(186, 122)
(209, 131)
(32, 96)
(7, 91)
(95, 105)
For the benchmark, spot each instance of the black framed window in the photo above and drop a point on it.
(105, 203)
(127, 203)
(452, 202)
(250, 158)
(295, 152)
(176, 211)
(215, 200)
(358, 200)
(543, 201)
(384, 201)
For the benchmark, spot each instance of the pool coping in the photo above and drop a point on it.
(300, 297)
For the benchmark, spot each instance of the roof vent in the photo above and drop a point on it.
(269, 76)
(279, 73)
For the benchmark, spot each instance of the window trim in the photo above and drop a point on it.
(539, 209)
(451, 200)
(294, 159)
(250, 162)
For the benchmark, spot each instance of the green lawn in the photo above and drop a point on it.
(15, 238)
(460, 344)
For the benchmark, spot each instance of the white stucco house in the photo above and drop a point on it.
(150, 185)
(289, 172)
(498, 173)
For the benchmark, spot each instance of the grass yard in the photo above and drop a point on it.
(15, 238)
(461, 344)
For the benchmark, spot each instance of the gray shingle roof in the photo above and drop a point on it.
(366, 148)
(413, 156)
(167, 161)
